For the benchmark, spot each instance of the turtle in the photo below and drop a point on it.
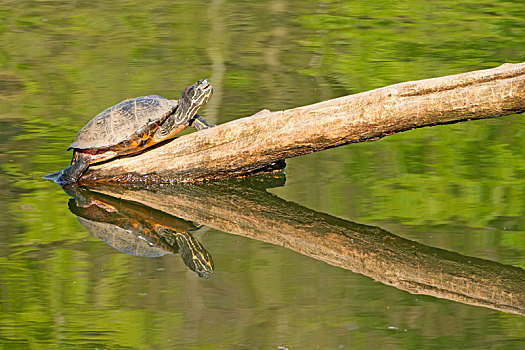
(133, 125)
(136, 229)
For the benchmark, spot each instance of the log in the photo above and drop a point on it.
(250, 211)
(264, 140)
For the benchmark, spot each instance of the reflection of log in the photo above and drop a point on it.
(245, 145)
(368, 250)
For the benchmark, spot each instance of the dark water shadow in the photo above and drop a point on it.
(244, 207)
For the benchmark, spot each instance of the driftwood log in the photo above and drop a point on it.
(262, 141)
(252, 212)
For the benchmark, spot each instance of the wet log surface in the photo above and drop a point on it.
(252, 212)
(264, 140)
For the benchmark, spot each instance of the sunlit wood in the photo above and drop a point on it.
(248, 144)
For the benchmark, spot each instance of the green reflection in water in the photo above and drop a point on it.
(459, 187)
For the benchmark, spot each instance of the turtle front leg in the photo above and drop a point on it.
(168, 130)
(199, 123)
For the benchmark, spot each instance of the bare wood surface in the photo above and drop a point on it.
(252, 212)
(249, 144)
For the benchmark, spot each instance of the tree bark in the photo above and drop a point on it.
(264, 140)
(252, 212)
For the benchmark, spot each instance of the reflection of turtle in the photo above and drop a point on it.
(139, 230)
(133, 125)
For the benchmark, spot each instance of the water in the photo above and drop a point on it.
(455, 193)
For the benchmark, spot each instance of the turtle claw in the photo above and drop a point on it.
(61, 178)
(199, 123)
(52, 176)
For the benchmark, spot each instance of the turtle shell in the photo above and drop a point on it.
(126, 241)
(121, 121)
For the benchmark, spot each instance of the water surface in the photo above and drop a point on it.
(457, 189)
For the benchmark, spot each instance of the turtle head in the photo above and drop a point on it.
(198, 93)
(192, 98)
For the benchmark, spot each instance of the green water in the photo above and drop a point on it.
(458, 187)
